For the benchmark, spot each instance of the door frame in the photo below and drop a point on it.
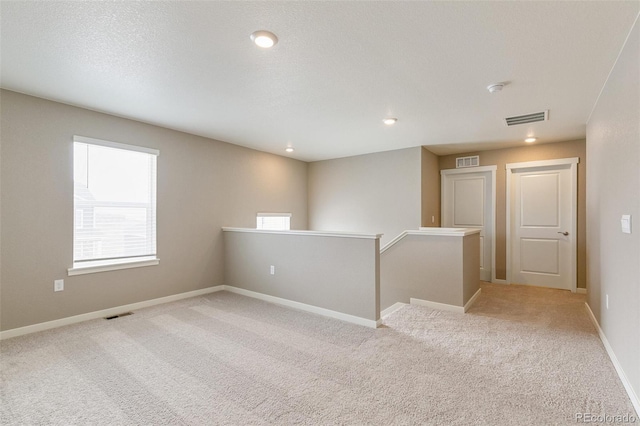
(573, 163)
(492, 205)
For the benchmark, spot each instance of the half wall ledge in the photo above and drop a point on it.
(307, 233)
(336, 272)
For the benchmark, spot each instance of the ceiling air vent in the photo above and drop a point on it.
(472, 161)
(527, 118)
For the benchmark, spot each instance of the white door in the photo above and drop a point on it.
(543, 223)
(467, 202)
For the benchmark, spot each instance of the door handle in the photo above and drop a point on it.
(563, 233)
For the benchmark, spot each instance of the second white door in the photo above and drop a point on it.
(467, 202)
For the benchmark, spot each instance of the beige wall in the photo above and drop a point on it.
(335, 273)
(202, 185)
(613, 189)
(442, 269)
(373, 193)
(501, 157)
(430, 185)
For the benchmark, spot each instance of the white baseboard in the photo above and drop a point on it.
(304, 307)
(444, 306)
(104, 313)
(497, 281)
(15, 332)
(391, 309)
(472, 300)
(581, 290)
(614, 359)
(436, 305)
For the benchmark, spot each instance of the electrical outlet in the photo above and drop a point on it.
(273, 270)
(58, 285)
(607, 300)
(625, 223)
(433, 219)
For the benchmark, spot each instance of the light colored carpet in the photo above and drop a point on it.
(519, 356)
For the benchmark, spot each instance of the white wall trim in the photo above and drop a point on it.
(304, 307)
(104, 313)
(469, 170)
(436, 305)
(393, 242)
(581, 290)
(494, 222)
(264, 214)
(306, 233)
(15, 332)
(391, 309)
(497, 281)
(443, 306)
(473, 299)
(508, 226)
(543, 163)
(433, 232)
(447, 232)
(573, 163)
(102, 142)
(614, 359)
(101, 266)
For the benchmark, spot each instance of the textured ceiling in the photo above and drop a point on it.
(339, 68)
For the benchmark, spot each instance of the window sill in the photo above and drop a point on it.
(111, 265)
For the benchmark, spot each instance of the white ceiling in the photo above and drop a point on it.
(339, 68)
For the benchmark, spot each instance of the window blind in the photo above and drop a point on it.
(274, 221)
(114, 201)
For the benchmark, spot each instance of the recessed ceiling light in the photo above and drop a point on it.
(289, 149)
(390, 121)
(264, 39)
(493, 88)
(530, 140)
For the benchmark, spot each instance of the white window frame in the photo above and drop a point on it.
(93, 266)
(273, 215)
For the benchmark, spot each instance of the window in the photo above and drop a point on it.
(274, 221)
(114, 196)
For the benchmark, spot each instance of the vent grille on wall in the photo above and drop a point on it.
(119, 315)
(527, 118)
(471, 161)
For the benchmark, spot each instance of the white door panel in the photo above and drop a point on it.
(539, 204)
(468, 202)
(539, 256)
